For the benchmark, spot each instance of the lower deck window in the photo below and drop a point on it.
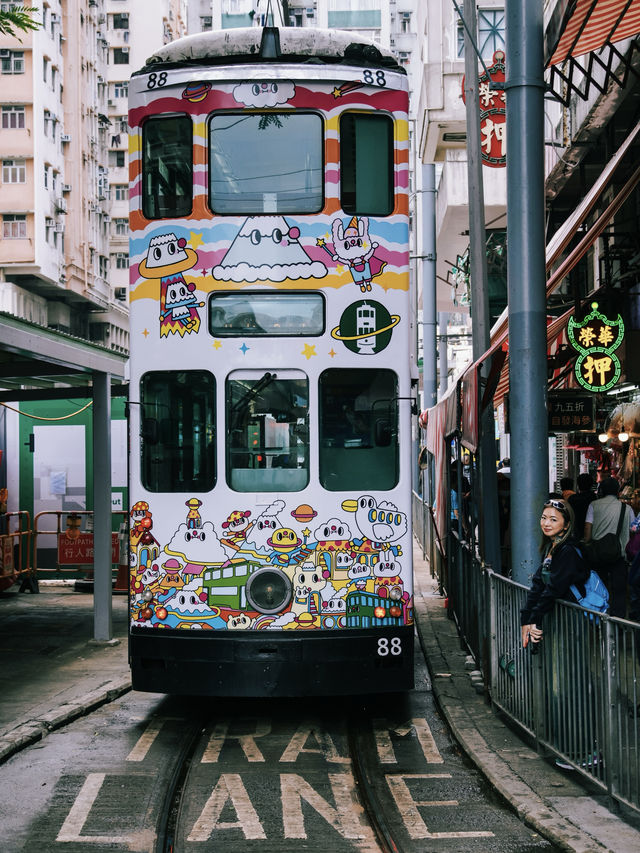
(267, 431)
(177, 431)
(358, 429)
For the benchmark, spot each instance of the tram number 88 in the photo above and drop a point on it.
(389, 647)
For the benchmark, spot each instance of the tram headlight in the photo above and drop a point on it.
(268, 591)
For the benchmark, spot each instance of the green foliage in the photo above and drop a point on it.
(18, 18)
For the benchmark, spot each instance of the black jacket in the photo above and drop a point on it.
(567, 567)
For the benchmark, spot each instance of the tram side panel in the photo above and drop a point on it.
(270, 385)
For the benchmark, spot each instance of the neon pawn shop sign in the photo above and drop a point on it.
(596, 338)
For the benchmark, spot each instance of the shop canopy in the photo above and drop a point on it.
(582, 45)
(583, 26)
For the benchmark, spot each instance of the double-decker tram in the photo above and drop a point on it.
(271, 367)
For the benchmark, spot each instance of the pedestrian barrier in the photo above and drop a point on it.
(578, 699)
(62, 532)
(15, 545)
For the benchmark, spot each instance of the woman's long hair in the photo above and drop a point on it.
(565, 508)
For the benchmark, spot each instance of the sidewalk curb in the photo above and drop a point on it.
(529, 806)
(15, 738)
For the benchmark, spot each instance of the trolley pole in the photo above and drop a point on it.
(429, 315)
(526, 280)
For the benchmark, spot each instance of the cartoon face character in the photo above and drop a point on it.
(165, 250)
(353, 247)
(195, 533)
(360, 573)
(264, 527)
(387, 566)
(344, 561)
(334, 613)
(237, 523)
(378, 521)
(284, 540)
(239, 622)
(332, 529)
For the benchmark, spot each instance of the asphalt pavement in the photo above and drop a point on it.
(51, 672)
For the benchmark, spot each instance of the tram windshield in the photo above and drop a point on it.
(265, 163)
(267, 431)
(167, 171)
(358, 429)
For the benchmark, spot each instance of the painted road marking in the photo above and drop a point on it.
(146, 739)
(247, 742)
(72, 827)
(408, 807)
(327, 747)
(420, 726)
(229, 789)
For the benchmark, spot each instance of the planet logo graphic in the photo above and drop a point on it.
(196, 92)
(365, 327)
(303, 513)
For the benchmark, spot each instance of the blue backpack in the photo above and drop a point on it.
(596, 595)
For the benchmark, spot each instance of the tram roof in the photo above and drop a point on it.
(273, 45)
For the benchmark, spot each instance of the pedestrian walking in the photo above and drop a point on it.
(603, 517)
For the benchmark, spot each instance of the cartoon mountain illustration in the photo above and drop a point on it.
(267, 249)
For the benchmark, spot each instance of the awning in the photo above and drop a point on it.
(583, 26)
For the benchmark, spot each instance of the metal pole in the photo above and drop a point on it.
(526, 280)
(102, 583)
(443, 358)
(480, 317)
(429, 315)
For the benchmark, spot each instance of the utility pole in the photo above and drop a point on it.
(526, 280)
(480, 318)
(429, 316)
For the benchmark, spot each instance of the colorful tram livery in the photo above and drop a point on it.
(272, 370)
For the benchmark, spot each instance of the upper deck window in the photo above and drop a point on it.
(366, 164)
(264, 314)
(167, 167)
(265, 163)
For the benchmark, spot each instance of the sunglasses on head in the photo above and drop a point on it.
(559, 505)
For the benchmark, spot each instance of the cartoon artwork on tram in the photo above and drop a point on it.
(167, 258)
(338, 577)
(354, 248)
(365, 327)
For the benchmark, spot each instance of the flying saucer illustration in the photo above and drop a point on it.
(303, 513)
(365, 327)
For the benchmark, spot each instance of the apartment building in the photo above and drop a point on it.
(133, 30)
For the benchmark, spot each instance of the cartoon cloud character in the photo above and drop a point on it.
(353, 247)
(167, 258)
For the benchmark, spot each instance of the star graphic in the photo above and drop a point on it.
(336, 92)
(203, 272)
(306, 533)
(195, 240)
(146, 333)
(244, 349)
(332, 352)
(308, 351)
(320, 241)
(217, 344)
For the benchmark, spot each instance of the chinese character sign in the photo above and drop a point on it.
(493, 117)
(595, 338)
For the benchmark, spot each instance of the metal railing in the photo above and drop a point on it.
(15, 543)
(578, 699)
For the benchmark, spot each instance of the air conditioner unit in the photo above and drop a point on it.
(59, 228)
(49, 221)
(110, 102)
(121, 293)
(106, 218)
(61, 205)
(102, 19)
(310, 13)
(64, 137)
(66, 188)
(55, 19)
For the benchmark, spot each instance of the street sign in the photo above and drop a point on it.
(78, 551)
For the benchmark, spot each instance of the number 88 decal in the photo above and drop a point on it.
(386, 647)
